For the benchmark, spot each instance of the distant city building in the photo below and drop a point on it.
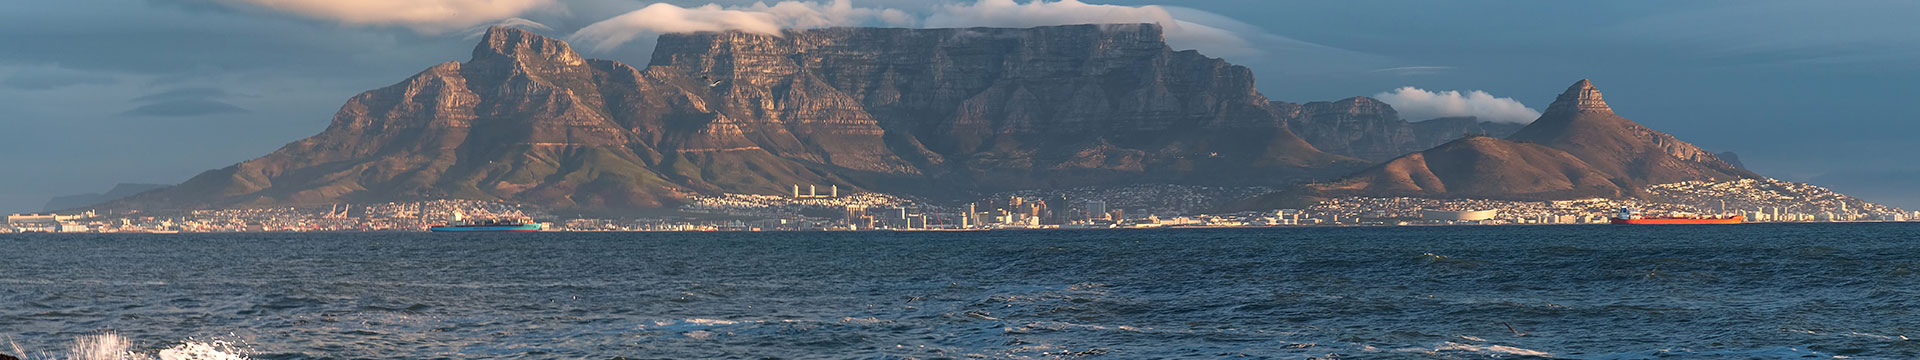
(813, 192)
(1442, 215)
(48, 219)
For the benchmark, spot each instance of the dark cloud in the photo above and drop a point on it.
(187, 93)
(184, 108)
(53, 78)
(185, 102)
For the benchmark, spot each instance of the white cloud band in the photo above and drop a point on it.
(1416, 104)
(758, 18)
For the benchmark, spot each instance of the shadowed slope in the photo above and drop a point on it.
(1482, 167)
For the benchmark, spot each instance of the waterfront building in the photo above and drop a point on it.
(1445, 215)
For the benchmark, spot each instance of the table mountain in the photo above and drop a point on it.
(922, 111)
(1577, 149)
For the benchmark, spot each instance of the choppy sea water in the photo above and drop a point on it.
(1585, 292)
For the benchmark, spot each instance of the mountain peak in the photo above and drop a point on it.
(1580, 122)
(1581, 97)
(523, 46)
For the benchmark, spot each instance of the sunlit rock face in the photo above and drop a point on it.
(933, 112)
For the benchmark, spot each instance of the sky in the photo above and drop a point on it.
(99, 92)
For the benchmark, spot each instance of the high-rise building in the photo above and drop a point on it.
(973, 217)
(1096, 207)
(857, 216)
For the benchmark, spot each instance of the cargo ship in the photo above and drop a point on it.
(486, 225)
(1633, 217)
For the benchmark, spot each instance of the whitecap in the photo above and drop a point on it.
(711, 322)
(112, 346)
(1497, 349)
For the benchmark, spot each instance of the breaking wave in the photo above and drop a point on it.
(112, 346)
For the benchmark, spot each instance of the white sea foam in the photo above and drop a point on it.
(863, 321)
(1496, 349)
(112, 346)
(711, 321)
(1877, 336)
(1782, 352)
(196, 350)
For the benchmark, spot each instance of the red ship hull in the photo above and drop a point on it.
(1680, 221)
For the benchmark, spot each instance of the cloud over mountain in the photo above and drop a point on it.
(1185, 28)
(758, 18)
(1181, 33)
(1419, 104)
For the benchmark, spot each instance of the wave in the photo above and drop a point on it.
(112, 346)
(1489, 349)
(1779, 352)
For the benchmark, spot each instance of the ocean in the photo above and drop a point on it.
(1578, 292)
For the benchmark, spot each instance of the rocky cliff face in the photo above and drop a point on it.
(925, 111)
(1366, 128)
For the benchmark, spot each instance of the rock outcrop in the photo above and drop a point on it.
(931, 112)
(1731, 159)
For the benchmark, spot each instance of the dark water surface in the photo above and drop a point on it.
(1604, 292)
